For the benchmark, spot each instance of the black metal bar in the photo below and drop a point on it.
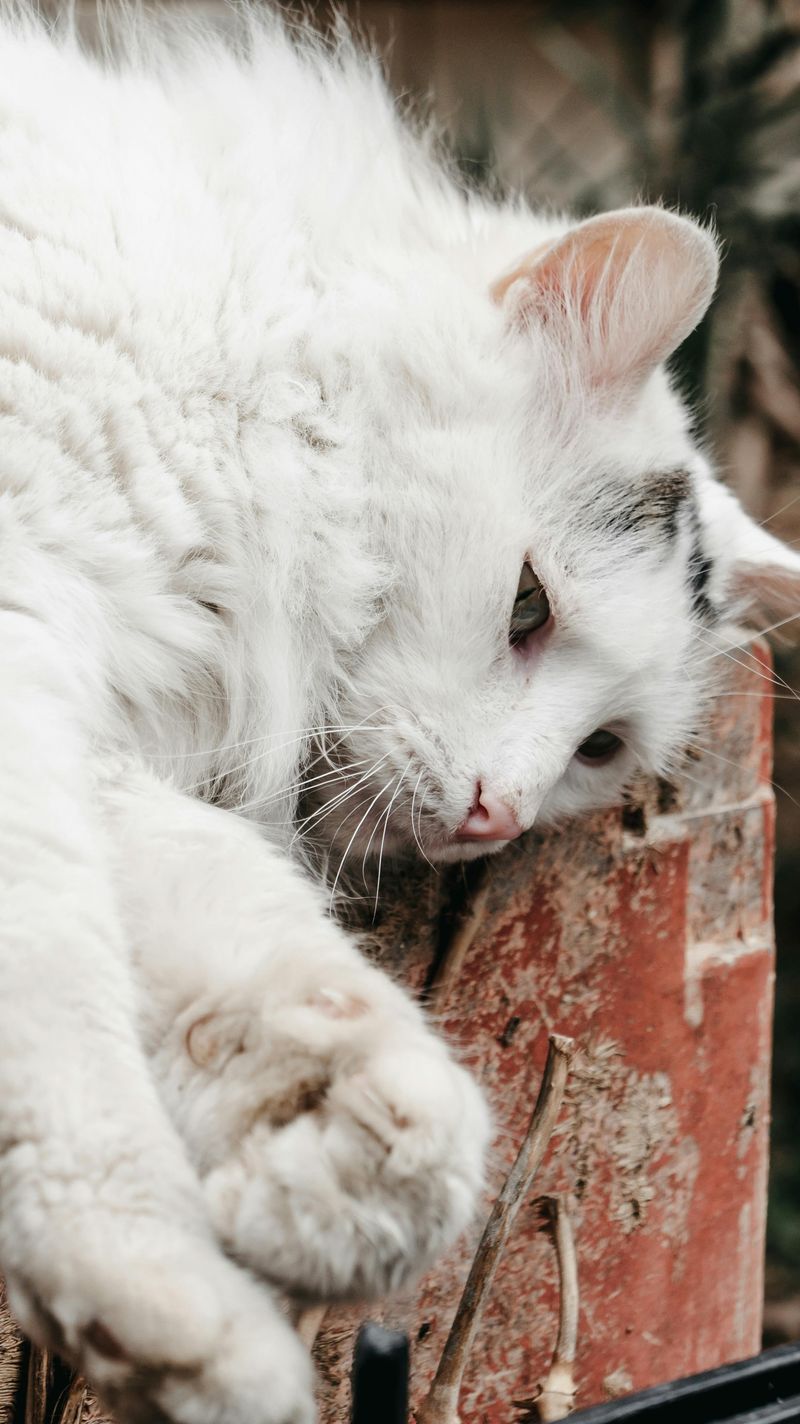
(761, 1390)
(380, 1376)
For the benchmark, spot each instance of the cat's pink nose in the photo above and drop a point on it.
(489, 819)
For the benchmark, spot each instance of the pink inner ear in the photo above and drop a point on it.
(581, 275)
(621, 290)
(521, 273)
(574, 271)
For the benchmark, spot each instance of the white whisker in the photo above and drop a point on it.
(369, 842)
(300, 786)
(387, 814)
(337, 801)
(773, 696)
(294, 739)
(706, 751)
(742, 644)
(355, 833)
(418, 829)
(762, 523)
(262, 737)
(752, 667)
(243, 766)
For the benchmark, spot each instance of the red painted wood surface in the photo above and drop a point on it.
(647, 936)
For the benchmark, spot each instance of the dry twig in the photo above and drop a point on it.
(74, 1402)
(11, 1350)
(309, 1322)
(441, 1404)
(556, 1396)
(37, 1391)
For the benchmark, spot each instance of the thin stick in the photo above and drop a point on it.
(441, 1404)
(73, 1406)
(12, 1357)
(37, 1393)
(557, 1395)
(308, 1323)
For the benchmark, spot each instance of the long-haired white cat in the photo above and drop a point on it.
(317, 476)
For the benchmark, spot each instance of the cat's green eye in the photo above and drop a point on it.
(531, 606)
(601, 744)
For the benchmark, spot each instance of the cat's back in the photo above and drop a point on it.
(186, 173)
(133, 221)
(172, 224)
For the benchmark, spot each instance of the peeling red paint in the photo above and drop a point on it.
(647, 936)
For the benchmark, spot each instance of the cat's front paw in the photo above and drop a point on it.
(350, 1145)
(165, 1330)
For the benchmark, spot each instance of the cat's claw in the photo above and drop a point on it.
(353, 1146)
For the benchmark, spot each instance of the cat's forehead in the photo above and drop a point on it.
(485, 454)
(508, 466)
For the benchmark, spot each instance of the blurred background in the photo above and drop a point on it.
(589, 104)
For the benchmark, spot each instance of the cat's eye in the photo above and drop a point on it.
(600, 745)
(531, 606)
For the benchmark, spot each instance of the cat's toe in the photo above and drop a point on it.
(370, 1184)
(257, 1373)
(340, 1146)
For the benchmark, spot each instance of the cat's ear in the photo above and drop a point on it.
(755, 579)
(619, 291)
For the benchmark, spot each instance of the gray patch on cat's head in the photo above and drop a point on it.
(699, 571)
(652, 512)
(656, 514)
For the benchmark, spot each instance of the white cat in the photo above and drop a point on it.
(311, 483)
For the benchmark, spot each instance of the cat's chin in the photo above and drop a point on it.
(450, 852)
(444, 852)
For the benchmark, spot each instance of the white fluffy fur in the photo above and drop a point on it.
(272, 458)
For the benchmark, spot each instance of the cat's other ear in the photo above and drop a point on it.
(754, 578)
(620, 291)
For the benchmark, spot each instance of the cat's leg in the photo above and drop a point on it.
(340, 1146)
(104, 1234)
